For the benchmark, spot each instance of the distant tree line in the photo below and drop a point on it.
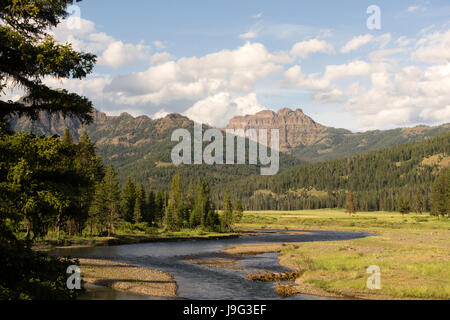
(390, 179)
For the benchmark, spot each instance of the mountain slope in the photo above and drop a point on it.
(140, 147)
(377, 179)
(310, 141)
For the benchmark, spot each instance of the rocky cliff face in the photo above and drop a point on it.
(51, 124)
(310, 141)
(296, 128)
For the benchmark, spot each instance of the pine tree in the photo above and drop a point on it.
(29, 54)
(67, 140)
(418, 202)
(197, 215)
(151, 207)
(238, 211)
(227, 215)
(350, 204)
(175, 212)
(106, 205)
(440, 196)
(191, 197)
(160, 206)
(91, 166)
(129, 201)
(139, 207)
(403, 205)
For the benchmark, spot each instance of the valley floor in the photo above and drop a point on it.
(412, 252)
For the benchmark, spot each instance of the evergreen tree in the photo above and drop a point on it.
(106, 205)
(238, 211)
(129, 201)
(67, 140)
(151, 207)
(418, 202)
(29, 53)
(440, 197)
(350, 204)
(191, 197)
(175, 212)
(38, 182)
(197, 214)
(227, 215)
(160, 206)
(86, 162)
(403, 205)
(139, 207)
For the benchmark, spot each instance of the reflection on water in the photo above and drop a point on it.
(204, 282)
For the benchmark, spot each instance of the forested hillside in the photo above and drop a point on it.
(140, 147)
(338, 145)
(377, 179)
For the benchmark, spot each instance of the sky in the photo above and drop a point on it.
(214, 59)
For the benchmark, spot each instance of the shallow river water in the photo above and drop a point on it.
(203, 282)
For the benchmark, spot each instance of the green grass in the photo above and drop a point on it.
(413, 252)
(127, 234)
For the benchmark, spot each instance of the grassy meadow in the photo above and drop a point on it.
(412, 251)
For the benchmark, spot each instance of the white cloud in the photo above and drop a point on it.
(219, 109)
(160, 114)
(404, 97)
(380, 92)
(433, 48)
(294, 77)
(356, 43)
(118, 54)
(330, 96)
(159, 45)
(305, 48)
(161, 57)
(249, 35)
(403, 41)
(92, 87)
(111, 52)
(195, 78)
(351, 69)
(363, 40)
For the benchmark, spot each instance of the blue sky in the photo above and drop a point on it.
(212, 60)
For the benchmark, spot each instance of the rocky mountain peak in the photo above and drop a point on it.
(296, 128)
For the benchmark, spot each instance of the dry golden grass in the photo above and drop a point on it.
(413, 252)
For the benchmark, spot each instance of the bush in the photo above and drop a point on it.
(29, 275)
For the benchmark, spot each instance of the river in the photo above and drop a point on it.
(204, 282)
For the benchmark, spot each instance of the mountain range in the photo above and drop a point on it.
(310, 141)
(140, 147)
